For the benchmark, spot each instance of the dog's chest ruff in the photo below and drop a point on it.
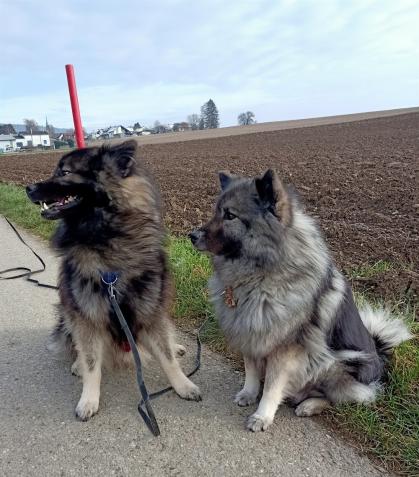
(254, 315)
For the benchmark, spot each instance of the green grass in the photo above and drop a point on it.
(388, 429)
(369, 271)
(191, 271)
(15, 205)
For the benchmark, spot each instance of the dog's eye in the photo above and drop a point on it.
(228, 215)
(64, 173)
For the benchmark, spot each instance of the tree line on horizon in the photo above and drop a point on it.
(207, 119)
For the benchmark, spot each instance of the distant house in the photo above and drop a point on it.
(36, 138)
(114, 132)
(20, 141)
(62, 140)
(7, 142)
(138, 131)
(181, 127)
(100, 133)
(65, 137)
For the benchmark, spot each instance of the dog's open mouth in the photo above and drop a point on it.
(53, 209)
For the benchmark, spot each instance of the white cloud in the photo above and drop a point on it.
(146, 61)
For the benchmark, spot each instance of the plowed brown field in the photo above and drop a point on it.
(358, 178)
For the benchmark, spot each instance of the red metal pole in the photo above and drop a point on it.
(71, 80)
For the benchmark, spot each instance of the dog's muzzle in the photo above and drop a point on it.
(197, 238)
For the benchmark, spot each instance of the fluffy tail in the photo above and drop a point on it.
(388, 332)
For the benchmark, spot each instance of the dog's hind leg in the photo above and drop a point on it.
(250, 391)
(312, 407)
(164, 350)
(89, 356)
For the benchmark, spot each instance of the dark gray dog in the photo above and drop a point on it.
(282, 303)
(110, 220)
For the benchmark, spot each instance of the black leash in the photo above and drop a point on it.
(27, 272)
(110, 278)
(144, 407)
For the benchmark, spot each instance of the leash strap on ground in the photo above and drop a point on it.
(144, 408)
(27, 272)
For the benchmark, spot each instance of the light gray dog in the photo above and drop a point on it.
(283, 304)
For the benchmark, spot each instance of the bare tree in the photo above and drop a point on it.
(193, 120)
(7, 129)
(244, 119)
(30, 125)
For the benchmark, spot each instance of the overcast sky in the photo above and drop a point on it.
(161, 60)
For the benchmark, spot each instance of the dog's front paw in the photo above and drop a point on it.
(86, 409)
(189, 391)
(245, 398)
(257, 423)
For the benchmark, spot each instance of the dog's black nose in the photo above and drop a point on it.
(194, 236)
(30, 189)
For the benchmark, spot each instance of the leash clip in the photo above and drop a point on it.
(109, 279)
(110, 291)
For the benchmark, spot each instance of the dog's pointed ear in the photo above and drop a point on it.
(124, 157)
(273, 194)
(225, 179)
(267, 187)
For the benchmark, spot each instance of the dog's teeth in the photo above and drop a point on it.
(44, 206)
